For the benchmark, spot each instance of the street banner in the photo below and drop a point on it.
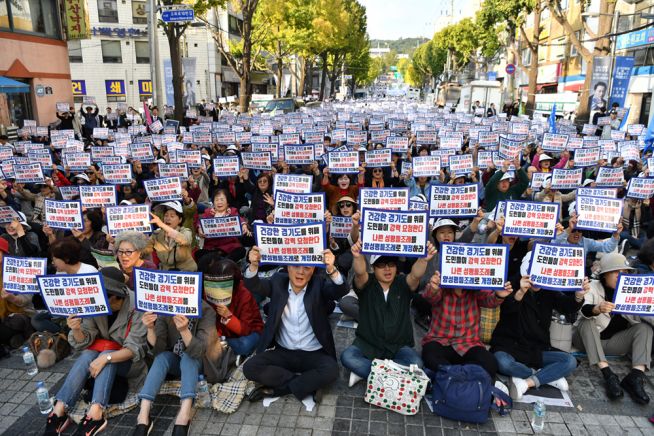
(65, 215)
(226, 166)
(142, 152)
(597, 213)
(123, 218)
(221, 227)
(453, 200)
(378, 158)
(166, 189)
(82, 295)
(168, 292)
(294, 208)
(609, 177)
(28, 173)
(640, 188)
(77, 162)
(557, 267)
(97, 196)
(460, 165)
(394, 233)
(304, 154)
(8, 214)
(193, 158)
(398, 144)
(621, 76)
(297, 184)
(537, 180)
(356, 137)
(554, 142)
(587, 157)
(599, 84)
(291, 245)
(340, 227)
(257, 160)
(530, 219)
(426, 166)
(167, 170)
(566, 179)
(118, 174)
(384, 198)
(474, 266)
(69, 192)
(634, 294)
(597, 192)
(343, 162)
(19, 274)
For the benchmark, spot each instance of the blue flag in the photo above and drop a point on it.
(623, 123)
(552, 119)
(649, 135)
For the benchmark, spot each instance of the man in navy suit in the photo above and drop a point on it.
(296, 354)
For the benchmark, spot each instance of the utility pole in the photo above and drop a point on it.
(154, 52)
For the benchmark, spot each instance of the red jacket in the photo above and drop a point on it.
(227, 245)
(246, 318)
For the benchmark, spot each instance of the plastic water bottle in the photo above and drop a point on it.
(30, 363)
(204, 398)
(43, 398)
(538, 417)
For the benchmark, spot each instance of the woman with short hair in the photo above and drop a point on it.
(129, 247)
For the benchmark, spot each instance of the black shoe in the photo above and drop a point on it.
(634, 383)
(613, 389)
(91, 427)
(144, 429)
(181, 430)
(317, 396)
(56, 425)
(258, 393)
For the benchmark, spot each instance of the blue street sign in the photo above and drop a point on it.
(177, 15)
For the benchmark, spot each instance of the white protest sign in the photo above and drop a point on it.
(226, 166)
(81, 295)
(634, 294)
(291, 245)
(356, 137)
(299, 154)
(538, 179)
(587, 157)
(122, 218)
(221, 227)
(509, 149)
(19, 274)
(63, 107)
(167, 170)
(340, 227)
(69, 192)
(398, 144)
(557, 267)
(484, 159)
(378, 158)
(474, 266)
(292, 183)
(8, 214)
(294, 208)
(426, 166)
(77, 161)
(394, 233)
(97, 196)
(168, 292)
(193, 158)
(453, 200)
(610, 177)
(530, 219)
(384, 198)
(641, 188)
(460, 165)
(343, 162)
(101, 132)
(165, 189)
(426, 137)
(597, 192)
(257, 160)
(554, 142)
(28, 173)
(597, 213)
(118, 174)
(142, 152)
(66, 215)
(566, 179)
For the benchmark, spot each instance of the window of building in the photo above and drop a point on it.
(526, 57)
(142, 50)
(107, 11)
(111, 53)
(33, 16)
(649, 59)
(625, 23)
(4, 15)
(557, 50)
(564, 5)
(545, 14)
(139, 15)
(573, 50)
(235, 25)
(75, 51)
(640, 57)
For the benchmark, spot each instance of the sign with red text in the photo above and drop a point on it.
(340, 227)
(610, 177)
(300, 183)
(378, 158)
(557, 267)
(299, 154)
(566, 179)
(426, 166)
(474, 266)
(384, 198)
(172, 170)
(641, 188)
(291, 245)
(634, 294)
(343, 162)
(28, 173)
(193, 158)
(168, 293)
(81, 295)
(123, 218)
(398, 144)
(221, 227)
(554, 142)
(257, 160)
(530, 219)
(118, 174)
(294, 208)
(394, 233)
(165, 189)
(597, 213)
(587, 157)
(19, 274)
(460, 165)
(226, 166)
(65, 215)
(453, 200)
(97, 196)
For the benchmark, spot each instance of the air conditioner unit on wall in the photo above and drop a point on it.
(632, 2)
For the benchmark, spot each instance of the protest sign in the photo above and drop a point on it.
(168, 292)
(224, 138)
(165, 189)
(122, 218)
(607, 145)
(19, 274)
(588, 129)
(484, 159)
(97, 196)
(340, 227)
(101, 132)
(292, 183)
(488, 139)
(557, 267)
(172, 170)
(597, 192)
(453, 200)
(635, 129)
(42, 157)
(398, 144)
(193, 158)
(99, 153)
(530, 219)
(610, 177)
(243, 137)
(226, 166)
(566, 179)
(554, 142)
(394, 233)
(356, 137)
(634, 294)
(587, 157)
(77, 162)
(597, 213)
(509, 149)
(294, 208)
(538, 179)
(343, 162)
(156, 126)
(69, 192)
(426, 137)
(289, 138)
(641, 188)
(142, 152)
(65, 215)
(28, 173)
(257, 160)
(426, 166)
(105, 258)
(378, 158)
(575, 143)
(474, 266)
(118, 174)
(313, 136)
(8, 214)
(418, 205)
(460, 165)
(299, 154)
(221, 227)
(63, 107)
(291, 245)
(384, 198)
(81, 295)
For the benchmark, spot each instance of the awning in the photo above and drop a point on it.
(10, 86)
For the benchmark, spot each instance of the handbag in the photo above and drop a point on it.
(396, 387)
(101, 345)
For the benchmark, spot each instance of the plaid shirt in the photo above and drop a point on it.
(455, 319)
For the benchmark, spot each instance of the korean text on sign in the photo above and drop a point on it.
(168, 293)
(394, 233)
(340, 227)
(343, 162)
(122, 218)
(74, 294)
(634, 294)
(291, 245)
(19, 274)
(93, 196)
(557, 267)
(474, 266)
(291, 208)
(118, 174)
(384, 198)
(453, 200)
(221, 227)
(292, 183)
(597, 213)
(164, 189)
(531, 219)
(66, 215)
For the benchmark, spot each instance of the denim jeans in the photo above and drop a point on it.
(166, 363)
(634, 242)
(354, 360)
(556, 364)
(79, 373)
(245, 345)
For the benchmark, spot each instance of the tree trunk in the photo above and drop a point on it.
(333, 74)
(323, 75)
(280, 76)
(533, 68)
(303, 75)
(511, 58)
(178, 76)
(308, 76)
(244, 95)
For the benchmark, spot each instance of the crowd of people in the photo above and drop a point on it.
(276, 318)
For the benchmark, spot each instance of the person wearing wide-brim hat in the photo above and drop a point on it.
(599, 332)
(171, 241)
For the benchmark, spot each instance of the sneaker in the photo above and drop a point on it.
(633, 383)
(143, 429)
(354, 379)
(56, 425)
(91, 427)
(561, 384)
(517, 387)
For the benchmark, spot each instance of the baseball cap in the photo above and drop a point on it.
(83, 177)
(507, 176)
(377, 259)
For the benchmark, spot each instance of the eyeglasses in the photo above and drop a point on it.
(377, 170)
(345, 204)
(126, 252)
(382, 265)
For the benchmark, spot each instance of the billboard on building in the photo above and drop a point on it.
(79, 87)
(77, 19)
(621, 77)
(599, 86)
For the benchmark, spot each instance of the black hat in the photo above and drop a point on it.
(114, 282)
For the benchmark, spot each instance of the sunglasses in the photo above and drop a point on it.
(346, 204)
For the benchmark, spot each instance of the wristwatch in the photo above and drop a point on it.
(109, 358)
